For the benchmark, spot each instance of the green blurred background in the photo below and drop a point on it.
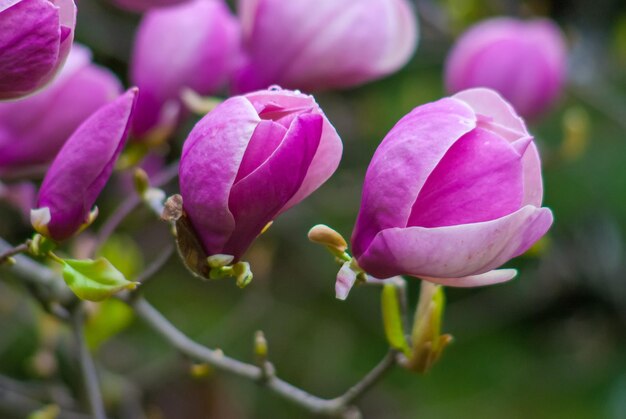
(550, 344)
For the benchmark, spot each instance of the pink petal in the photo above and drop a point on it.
(479, 179)
(402, 164)
(209, 165)
(330, 148)
(496, 276)
(36, 127)
(454, 251)
(190, 45)
(502, 119)
(320, 42)
(266, 137)
(346, 278)
(256, 199)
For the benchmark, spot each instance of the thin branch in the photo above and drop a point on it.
(373, 377)
(12, 252)
(216, 358)
(88, 368)
(129, 205)
(156, 264)
(340, 406)
(39, 275)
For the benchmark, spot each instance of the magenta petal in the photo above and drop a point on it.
(403, 162)
(479, 179)
(267, 136)
(84, 165)
(256, 199)
(208, 167)
(504, 121)
(496, 276)
(29, 46)
(454, 251)
(278, 102)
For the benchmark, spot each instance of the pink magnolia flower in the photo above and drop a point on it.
(33, 129)
(249, 160)
(453, 192)
(81, 169)
(192, 45)
(524, 61)
(321, 44)
(144, 5)
(35, 39)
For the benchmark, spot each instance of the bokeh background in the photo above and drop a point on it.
(550, 344)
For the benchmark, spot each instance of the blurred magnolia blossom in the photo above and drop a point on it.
(33, 129)
(35, 39)
(81, 169)
(453, 192)
(251, 159)
(322, 44)
(525, 61)
(144, 5)
(193, 45)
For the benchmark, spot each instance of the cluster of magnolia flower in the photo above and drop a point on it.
(452, 193)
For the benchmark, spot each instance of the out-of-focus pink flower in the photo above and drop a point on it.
(20, 196)
(33, 129)
(144, 5)
(35, 38)
(192, 45)
(321, 44)
(81, 169)
(453, 192)
(249, 160)
(525, 61)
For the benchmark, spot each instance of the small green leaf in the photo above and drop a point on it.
(94, 280)
(392, 319)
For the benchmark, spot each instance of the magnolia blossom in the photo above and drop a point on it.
(192, 45)
(35, 39)
(249, 160)
(525, 61)
(453, 192)
(33, 129)
(321, 44)
(81, 169)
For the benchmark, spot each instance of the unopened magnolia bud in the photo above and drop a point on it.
(426, 339)
(260, 346)
(81, 170)
(141, 181)
(322, 234)
(576, 133)
(200, 370)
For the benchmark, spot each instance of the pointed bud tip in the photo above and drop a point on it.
(322, 234)
(40, 218)
(220, 260)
